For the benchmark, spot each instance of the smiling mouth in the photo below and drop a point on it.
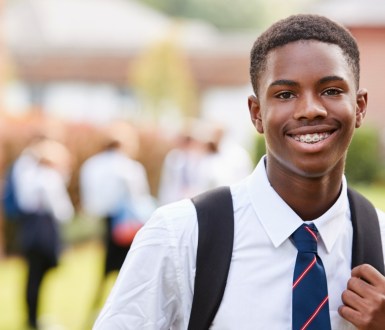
(311, 138)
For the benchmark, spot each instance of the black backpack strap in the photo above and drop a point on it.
(215, 247)
(367, 245)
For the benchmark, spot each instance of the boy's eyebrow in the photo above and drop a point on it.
(330, 78)
(285, 82)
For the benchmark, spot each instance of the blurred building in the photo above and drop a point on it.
(80, 54)
(76, 58)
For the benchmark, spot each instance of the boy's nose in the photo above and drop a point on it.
(310, 107)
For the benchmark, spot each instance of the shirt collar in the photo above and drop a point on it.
(280, 221)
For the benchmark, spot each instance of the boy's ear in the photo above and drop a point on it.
(361, 105)
(255, 113)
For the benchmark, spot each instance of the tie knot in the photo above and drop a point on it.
(305, 238)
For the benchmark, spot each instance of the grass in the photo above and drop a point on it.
(68, 291)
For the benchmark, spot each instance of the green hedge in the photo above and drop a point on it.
(364, 163)
(259, 148)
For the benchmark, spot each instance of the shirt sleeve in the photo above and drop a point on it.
(154, 288)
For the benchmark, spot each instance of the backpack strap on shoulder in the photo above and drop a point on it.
(215, 247)
(367, 245)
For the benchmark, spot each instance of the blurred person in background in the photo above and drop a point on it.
(225, 162)
(204, 158)
(179, 175)
(114, 187)
(40, 175)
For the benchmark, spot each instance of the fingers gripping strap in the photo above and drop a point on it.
(215, 245)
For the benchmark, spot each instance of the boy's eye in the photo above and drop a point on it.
(285, 95)
(332, 92)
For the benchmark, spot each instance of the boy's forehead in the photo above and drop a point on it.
(288, 58)
(296, 51)
(301, 44)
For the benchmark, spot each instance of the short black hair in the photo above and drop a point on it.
(303, 27)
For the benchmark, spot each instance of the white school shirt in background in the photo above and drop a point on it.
(154, 289)
(109, 178)
(42, 188)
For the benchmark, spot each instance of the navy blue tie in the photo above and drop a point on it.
(310, 292)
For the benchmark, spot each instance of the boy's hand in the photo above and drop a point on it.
(364, 299)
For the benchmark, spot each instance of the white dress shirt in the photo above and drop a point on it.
(41, 187)
(154, 289)
(110, 178)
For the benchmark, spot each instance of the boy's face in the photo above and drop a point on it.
(307, 107)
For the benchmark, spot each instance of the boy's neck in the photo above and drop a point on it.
(308, 197)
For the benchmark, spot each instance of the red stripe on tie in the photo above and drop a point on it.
(315, 313)
(305, 272)
(311, 233)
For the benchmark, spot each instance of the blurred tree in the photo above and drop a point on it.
(221, 13)
(162, 80)
(230, 15)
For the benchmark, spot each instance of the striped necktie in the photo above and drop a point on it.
(310, 292)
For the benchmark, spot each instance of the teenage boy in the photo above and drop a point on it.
(308, 103)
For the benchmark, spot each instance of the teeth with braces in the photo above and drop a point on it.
(311, 138)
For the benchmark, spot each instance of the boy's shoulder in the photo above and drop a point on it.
(178, 219)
